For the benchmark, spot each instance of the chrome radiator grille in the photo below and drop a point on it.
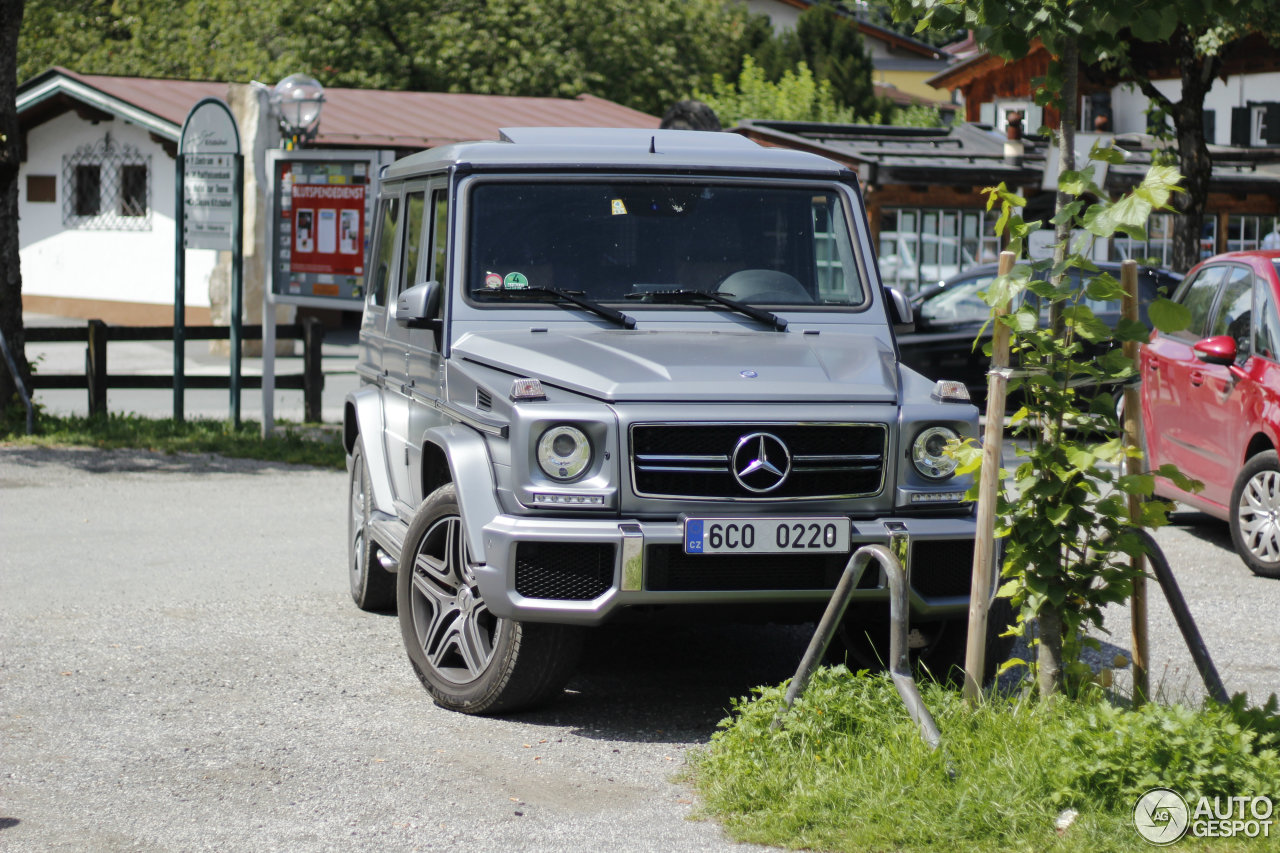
(757, 461)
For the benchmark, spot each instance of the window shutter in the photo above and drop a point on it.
(1241, 125)
(1271, 123)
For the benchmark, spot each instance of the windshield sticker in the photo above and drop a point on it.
(492, 280)
(618, 208)
(515, 281)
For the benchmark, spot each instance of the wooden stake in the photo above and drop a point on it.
(984, 544)
(1133, 438)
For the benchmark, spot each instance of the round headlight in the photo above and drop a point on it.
(927, 453)
(564, 452)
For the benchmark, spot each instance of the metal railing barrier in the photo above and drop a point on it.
(899, 615)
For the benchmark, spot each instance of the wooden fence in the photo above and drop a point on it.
(96, 378)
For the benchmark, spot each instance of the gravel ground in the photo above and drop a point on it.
(181, 668)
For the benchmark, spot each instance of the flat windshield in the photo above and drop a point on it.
(623, 241)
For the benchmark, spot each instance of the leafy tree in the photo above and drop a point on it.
(1105, 35)
(830, 45)
(1066, 514)
(1135, 41)
(642, 53)
(192, 39)
(796, 97)
(10, 268)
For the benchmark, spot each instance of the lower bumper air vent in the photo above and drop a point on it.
(941, 569)
(563, 572)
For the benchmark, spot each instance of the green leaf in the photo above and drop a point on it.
(1132, 330)
(1104, 288)
(1182, 481)
(1169, 316)
(1143, 485)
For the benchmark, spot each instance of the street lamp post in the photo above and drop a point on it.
(297, 100)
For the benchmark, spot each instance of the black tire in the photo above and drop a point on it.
(944, 657)
(468, 659)
(863, 640)
(1255, 514)
(373, 588)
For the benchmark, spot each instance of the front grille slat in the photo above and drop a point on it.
(695, 461)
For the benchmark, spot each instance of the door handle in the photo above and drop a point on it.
(1197, 378)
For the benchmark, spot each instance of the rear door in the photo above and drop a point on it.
(1213, 417)
(425, 364)
(397, 396)
(1168, 362)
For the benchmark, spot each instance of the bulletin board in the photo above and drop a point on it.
(321, 208)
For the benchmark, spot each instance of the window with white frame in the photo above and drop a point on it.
(921, 246)
(1250, 231)
(1157, 249)
(106, 187)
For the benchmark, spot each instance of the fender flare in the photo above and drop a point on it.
(365, 406)
(471, 471)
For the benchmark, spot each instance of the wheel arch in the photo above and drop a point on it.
(435, 471)
(459, 455)
(361, 417)
(1260, 443)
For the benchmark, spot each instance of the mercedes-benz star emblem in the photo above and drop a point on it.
(761, 462)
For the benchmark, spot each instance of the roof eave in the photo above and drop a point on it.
(61, 82)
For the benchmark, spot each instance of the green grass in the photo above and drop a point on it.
(308, 444)
(848, 770)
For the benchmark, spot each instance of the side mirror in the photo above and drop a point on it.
(1220, 349)
(419, 306)
(901, 314)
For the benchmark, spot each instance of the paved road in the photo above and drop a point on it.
(181, 669)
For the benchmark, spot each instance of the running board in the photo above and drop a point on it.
(387, 533)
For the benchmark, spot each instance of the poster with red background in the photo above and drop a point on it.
(328, 229)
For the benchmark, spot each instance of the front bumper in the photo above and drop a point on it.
(580, 571)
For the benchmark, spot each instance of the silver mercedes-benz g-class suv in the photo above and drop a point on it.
(611, 372)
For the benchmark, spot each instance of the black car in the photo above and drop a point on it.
(950, 314)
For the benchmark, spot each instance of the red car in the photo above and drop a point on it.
(1211, 400)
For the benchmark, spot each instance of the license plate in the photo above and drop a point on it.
(766, 535)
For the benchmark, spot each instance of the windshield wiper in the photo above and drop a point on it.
(677, 296)
(573, 297)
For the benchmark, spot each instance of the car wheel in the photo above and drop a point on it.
(1255, 514)
(468, 659)
(937, 647)
(373, 588)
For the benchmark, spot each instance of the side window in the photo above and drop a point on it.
(1198, 295)
(438, 261)
(1235, 310)
(1266, 329)
(414, 207)
(440, 238)
(384, 251)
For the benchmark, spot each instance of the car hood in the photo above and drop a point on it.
(694, 366)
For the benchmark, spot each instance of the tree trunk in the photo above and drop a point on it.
(1070, 62)
(1193, 161)
(1049, 652)
(10, 157)
(1195, 164)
